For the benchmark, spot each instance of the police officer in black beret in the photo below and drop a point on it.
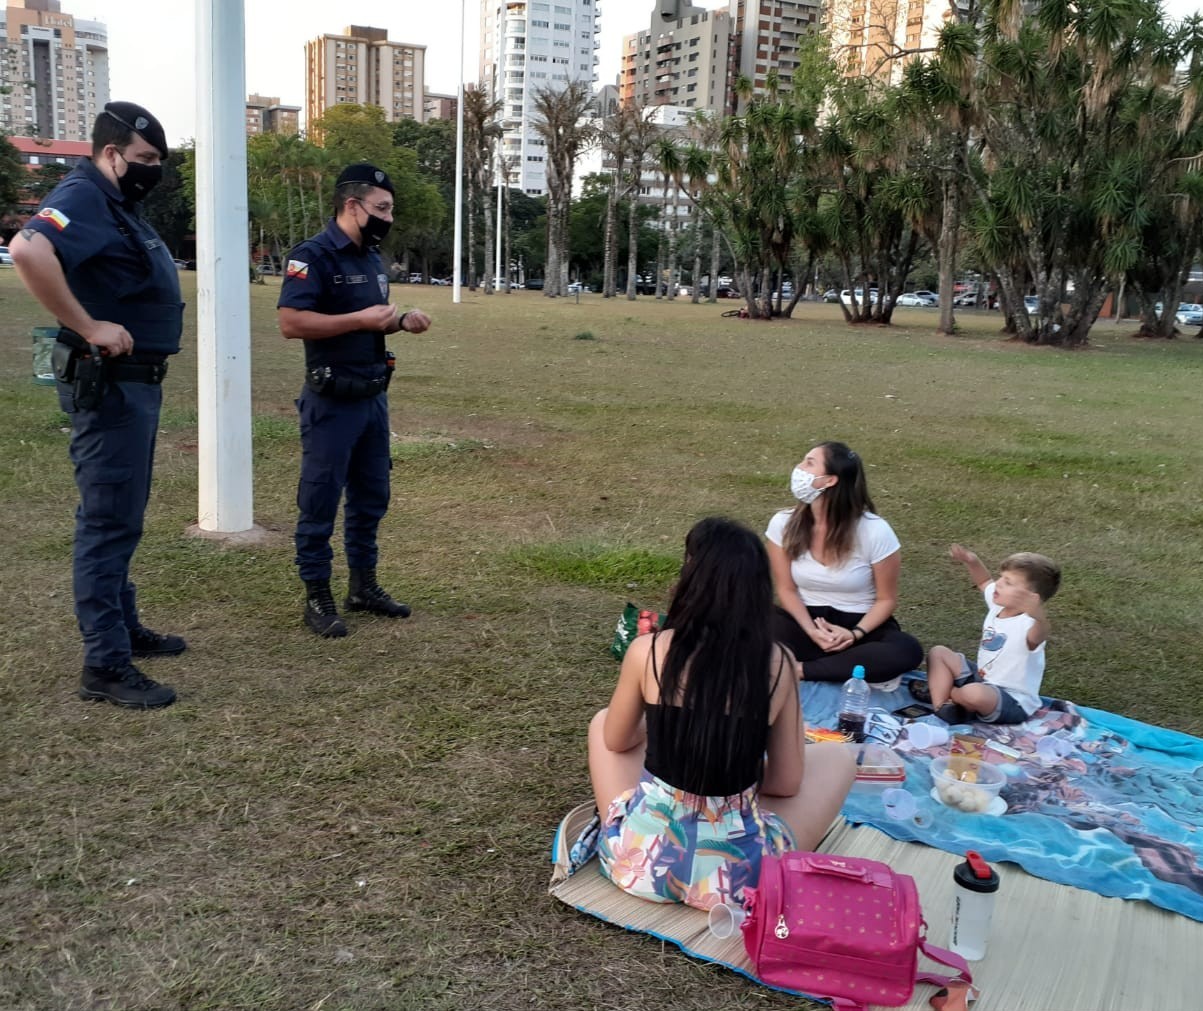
(95, 264)
(335, 298)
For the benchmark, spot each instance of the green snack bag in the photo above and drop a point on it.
(632, 622)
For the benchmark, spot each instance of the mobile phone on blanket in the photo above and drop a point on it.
(915, 711)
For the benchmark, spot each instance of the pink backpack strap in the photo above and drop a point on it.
(946, 957)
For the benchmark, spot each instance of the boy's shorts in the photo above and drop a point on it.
(1008, 710)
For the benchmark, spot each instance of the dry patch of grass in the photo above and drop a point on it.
(364, 823)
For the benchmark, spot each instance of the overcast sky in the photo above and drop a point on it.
(156, 66)
(152, 56)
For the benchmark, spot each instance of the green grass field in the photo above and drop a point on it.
(364, 823)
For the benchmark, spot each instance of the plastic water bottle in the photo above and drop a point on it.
(854, 704)
(973, 906)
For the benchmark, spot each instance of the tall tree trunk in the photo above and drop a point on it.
(696, 275)
(632, 245)
(490, 249)
(505, 220)
(715, 254)
(608, 282)
(673, 270)
(551, 274)
(949, 233)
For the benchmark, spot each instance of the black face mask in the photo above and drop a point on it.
(374, 229)
(139, 179)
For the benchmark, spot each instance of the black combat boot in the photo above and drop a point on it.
(144, 642)
(124, 685)
(365, 594)
(321, 614)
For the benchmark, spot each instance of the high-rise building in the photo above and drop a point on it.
(687, 62)
(54, 71)
(363, 67)
(527, 46)
(267, 115)
(877, 38)
(439, 106)
(770, 33)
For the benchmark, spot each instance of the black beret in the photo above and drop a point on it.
(134, 117)
(365, 173)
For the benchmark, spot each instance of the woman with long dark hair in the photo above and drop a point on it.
(835, 568)
(698, 764)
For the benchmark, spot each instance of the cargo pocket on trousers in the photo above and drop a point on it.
(104, 492)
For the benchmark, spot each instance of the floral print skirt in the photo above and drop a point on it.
(666, 845)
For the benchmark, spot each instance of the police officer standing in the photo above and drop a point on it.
(335, 298)
(92, 261)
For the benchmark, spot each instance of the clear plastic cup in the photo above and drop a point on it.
(900, 806)
(725, 921)
(924, 735)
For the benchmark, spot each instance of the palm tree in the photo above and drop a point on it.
(481, 131)
(566, 133)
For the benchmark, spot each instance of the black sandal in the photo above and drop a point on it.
(920, 691)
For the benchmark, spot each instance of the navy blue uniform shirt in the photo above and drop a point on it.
(116, 264)
(332, 275)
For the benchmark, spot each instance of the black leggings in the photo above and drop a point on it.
(885, 652)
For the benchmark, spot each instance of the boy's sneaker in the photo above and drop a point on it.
(124, 686)
(952, 714)
(144, 642)
(920, 691)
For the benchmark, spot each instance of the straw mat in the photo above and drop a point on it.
(1052, 947)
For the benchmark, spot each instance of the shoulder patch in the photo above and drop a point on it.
(56, 218)
(297, 268)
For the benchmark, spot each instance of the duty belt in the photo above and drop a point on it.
(125, 369)
(326, 381)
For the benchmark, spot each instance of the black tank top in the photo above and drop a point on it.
(712, 777)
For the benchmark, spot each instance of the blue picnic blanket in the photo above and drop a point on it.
(1119, 813)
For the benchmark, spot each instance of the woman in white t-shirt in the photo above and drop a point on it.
(835, 569)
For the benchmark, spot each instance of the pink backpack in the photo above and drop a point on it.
(841, 928)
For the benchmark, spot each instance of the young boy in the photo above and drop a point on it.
(1004, 685)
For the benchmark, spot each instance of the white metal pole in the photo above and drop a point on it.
(225, 500)
(497, 253)
(457, 277)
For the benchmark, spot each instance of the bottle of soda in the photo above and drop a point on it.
(854, 704)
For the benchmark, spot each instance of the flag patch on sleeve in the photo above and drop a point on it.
(56, 218)
(298, 269)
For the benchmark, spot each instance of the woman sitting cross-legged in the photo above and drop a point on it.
(835, 566)
(699, 764)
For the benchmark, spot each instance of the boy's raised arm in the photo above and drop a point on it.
(977, 571)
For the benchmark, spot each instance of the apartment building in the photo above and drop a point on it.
(527, 46)
(438, 106)
(688, 62)
(267, 115)
(363, 67)
(769, 33)
(877, 38)
(54, 71)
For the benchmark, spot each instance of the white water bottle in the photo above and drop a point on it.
(854, 704)
(973, 906)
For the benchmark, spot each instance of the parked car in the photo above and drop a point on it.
(846, 296)
(1189, 314)
(5, 256)
(575, 287)
(831, 295)
(1031, 303)
(534, 283)
(914, 298)
(932, 297)
(444, 281)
